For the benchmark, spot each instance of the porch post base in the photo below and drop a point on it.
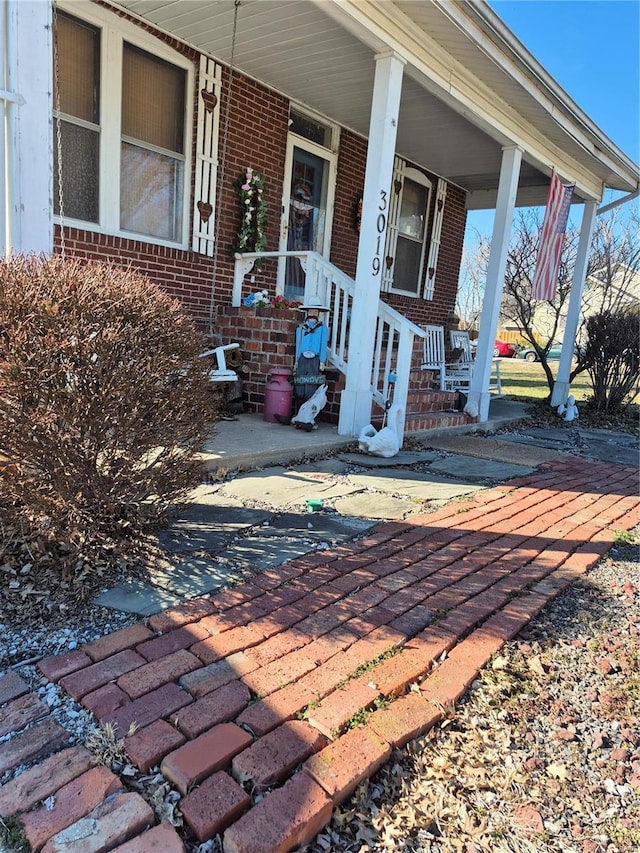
(355, 412)
(478, 405)
(560, 393)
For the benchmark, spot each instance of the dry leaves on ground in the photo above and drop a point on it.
(543, 754)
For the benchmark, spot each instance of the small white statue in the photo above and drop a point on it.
(386, 442)
(308, 411)
(561, 409)
(572, 410)
(472, 409)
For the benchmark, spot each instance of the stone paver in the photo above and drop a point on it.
(379, 506)
(286, 488)
(252, 700)
(137, 597)
(479, 470)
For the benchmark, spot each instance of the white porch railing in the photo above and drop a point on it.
(394, 337)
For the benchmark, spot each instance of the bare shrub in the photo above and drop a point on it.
(612, 357)
(104, 403)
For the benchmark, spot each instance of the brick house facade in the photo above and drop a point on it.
(253, 132)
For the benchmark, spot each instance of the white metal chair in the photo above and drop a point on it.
(460, 342)
(454, 376)
(221, 373)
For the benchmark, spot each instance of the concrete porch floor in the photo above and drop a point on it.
(251, 442)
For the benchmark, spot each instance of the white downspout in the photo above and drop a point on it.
(29, 126)
(4, 95)
(562, 385)
(356, 399)
(478, 398)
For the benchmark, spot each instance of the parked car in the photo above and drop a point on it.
(529, 353)
(503, 350)
(500, 349)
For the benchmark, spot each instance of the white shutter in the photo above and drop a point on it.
(436, 231)
(392, 225)
(206, 165)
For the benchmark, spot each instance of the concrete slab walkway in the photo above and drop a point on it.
(266, 704)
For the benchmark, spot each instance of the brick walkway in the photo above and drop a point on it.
(267, 704)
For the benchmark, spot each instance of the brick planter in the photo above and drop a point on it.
(267, 340)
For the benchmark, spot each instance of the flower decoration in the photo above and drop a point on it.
(261, 299)
(282, 304)
(251, 235)
(256, 300)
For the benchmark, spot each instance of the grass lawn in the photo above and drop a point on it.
(523, 380)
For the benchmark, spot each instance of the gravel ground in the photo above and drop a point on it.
(542, 755)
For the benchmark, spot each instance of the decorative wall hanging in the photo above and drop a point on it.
(251, 235)
(209, 99)
(205, 210)
(205, 166)
(357, 213)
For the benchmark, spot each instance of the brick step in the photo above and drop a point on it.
(418, 399)
(437, 420)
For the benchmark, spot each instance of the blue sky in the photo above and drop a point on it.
(592, 49)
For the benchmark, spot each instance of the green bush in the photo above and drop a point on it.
(104, 403)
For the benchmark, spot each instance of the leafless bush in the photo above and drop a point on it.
(104, 403)
(612, 357)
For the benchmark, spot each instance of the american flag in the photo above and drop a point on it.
(545, 280)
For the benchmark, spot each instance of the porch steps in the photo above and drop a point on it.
(428, 409)
(436, 421)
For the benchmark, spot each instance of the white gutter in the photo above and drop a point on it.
(617, 203)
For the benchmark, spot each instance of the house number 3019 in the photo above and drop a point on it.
(381, 227)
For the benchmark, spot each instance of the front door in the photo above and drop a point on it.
(307, 210)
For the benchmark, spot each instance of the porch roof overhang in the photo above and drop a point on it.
(470, 87)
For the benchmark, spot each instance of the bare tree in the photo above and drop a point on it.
(614, 283)
(540, 323)
(613, 280)
(473, 275)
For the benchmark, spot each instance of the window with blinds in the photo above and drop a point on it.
(76, 99)
(152, 155)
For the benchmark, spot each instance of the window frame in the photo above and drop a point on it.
(114, 32)
(417, 177)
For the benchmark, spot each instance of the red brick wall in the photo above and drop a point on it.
(352, 157)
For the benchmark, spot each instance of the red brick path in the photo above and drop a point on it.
(268, 703)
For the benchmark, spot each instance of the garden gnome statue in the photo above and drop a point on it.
(308, 371)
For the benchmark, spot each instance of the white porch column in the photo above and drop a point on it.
(478, 398)
(27, 45)
(355, 400)
(562, 385)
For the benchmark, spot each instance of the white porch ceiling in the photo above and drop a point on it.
(321, 54)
